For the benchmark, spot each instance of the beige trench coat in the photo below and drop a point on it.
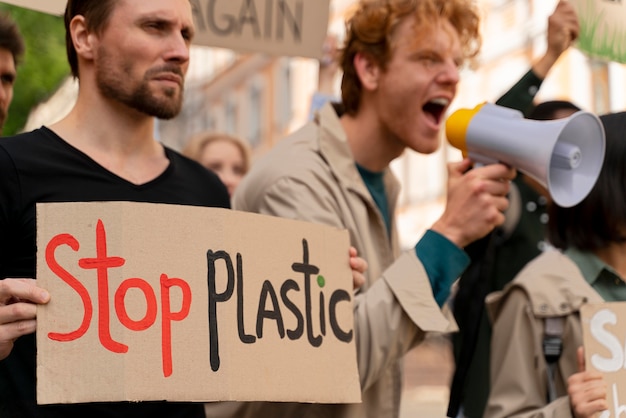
(550, 285)
(311, 176)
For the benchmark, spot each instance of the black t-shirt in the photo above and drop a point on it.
(39, 166)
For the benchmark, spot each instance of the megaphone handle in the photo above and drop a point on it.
(479, 158)
(513, 212)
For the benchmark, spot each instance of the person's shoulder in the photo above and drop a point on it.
(296, 155)
(285, 169)
(189, 168)
(24, 139)
(549, 282)
(549, 267)
(26, 145)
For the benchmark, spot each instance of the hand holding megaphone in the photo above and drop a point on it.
(564, 155)
(476, 201)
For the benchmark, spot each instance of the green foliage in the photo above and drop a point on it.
(44, 65)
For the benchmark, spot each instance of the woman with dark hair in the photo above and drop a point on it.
(496, 260)
(553, 109)
(537, 332)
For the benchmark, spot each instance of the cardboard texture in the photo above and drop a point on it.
(55, 7)
(180, 303)
(602, 33)
(604, 339)
(276, 27)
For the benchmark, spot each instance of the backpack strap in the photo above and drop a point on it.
(552, 348)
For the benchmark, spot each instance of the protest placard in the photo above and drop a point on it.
(602, 32)
(55, 7)
(169, 302)
(277, 27)
(604, 340)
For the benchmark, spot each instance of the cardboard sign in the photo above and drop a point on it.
(169, 302)
(602, 33)
(55, 7)
(277, 27)
(604, 339)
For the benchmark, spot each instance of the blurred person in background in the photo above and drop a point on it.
(11, 52)
(226, 155)
(532, 376)
(131, 58)
(400, 64)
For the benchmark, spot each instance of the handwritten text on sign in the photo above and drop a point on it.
(604, 335)
(277, 27)
(164, 296)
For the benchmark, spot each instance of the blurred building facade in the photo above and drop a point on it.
(262, 98)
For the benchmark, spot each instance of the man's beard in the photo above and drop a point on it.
(113, 84)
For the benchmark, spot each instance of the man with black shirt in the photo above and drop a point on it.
(11, 51)
(131, 58)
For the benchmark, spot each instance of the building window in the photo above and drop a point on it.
(255, 126)
(210, 122)
(230, 117)
(282, 103)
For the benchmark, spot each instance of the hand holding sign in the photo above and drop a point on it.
(563, 28)
(18, 311)
(358, 266)
(587, 390)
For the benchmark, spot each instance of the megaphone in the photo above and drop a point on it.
(563, 155)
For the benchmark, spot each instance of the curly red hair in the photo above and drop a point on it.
(372, 26)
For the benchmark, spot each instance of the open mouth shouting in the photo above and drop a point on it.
(435, 110)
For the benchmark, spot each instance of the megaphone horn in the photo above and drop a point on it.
(564, 155)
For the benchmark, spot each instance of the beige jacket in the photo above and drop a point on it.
(550, 285)
(311, 176)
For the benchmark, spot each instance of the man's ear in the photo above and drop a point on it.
(82, 38)
(367, 69)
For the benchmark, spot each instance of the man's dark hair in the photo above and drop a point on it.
(10, 37)
(600, 219)
(96, 14)
(548, 110)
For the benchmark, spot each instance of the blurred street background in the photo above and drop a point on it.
(262, 98)
(428, 370)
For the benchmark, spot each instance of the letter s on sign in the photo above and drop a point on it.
(69, 240)
(608, 340)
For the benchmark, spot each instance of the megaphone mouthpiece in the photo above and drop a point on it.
(456, 127)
